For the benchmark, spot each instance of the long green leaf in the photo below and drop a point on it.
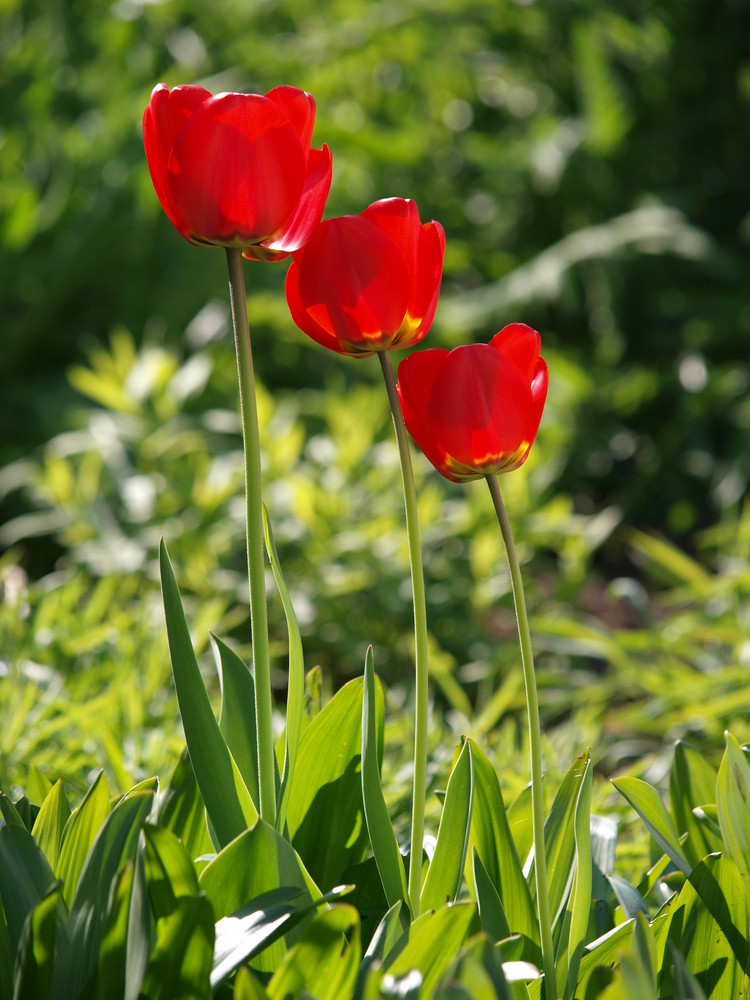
(715, 941)
(237, 718)
(257, 862)
(733, 807)
(115, 844)
(491, 911)
(493, 841)
(35, 959)
(443, 879)
(181, 809)
(50, 822)
(169, 871)
(180, 964)
(379, 828)
(649, 806)
(434, 941)
(692, 785)
(581, 898)
(324, 962)
(325, 814)
(253, 928)
(227, 800)
(25, 878)
(295, 698)
(80, 833)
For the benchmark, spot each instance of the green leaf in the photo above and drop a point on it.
(254, 927)
(257, 862)
(180, 964)
(123, 952)
(649, 806)
(494, 921)
(35, 959)
(295, 698)
(684, 984)
(115, 844)
(433, 942)
(227, 800)
(237, 718)
(443, 879)
(492, 839)
(629, 898)
(324, 962)
(733, 807)
(602, 953)
(79, 834)
(477, 973)
(382, 838)
(325, 814)
(715, 923)
(247, 987)
(169, 871)
(25, 879)
(38, 786)
(390, 930)
(577, 924)
(50, 823)
(181, 809)
(692, 785)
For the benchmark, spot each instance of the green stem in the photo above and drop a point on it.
(420, 637)
(535, 742)
(255, 540)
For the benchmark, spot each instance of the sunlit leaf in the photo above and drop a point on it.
(50, 823)
(443, 879)
(491, 838)
(433, 942)
(296, 676)
(649, 806)
(379, 828)
(325, 815)
(227, 800)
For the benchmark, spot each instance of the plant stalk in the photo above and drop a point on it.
(255, 539)
(420, 637)
(535, 742)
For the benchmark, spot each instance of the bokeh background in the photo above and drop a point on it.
(591, 166)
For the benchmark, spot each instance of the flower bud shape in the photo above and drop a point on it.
(475, 411)
(369, 282)
(237, 170)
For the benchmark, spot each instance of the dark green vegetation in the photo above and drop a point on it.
(589, 164)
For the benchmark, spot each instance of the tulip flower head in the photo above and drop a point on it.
(475, 411)
(237, 170)
(369, 282)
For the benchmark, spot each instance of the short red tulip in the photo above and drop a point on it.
(237, 170)
(475, 411)
(369, 282)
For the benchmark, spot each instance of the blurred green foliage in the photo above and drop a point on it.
(588, 162)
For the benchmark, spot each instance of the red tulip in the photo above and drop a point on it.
(475, 411)
(369, 282)
(237, 170)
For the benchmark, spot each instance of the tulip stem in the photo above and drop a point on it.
(535, 742)
(255, 538)
(420, 637)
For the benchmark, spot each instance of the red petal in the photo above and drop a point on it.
(423, 247)
(237, 170)
(479, 406)
(310, 209)
(521, 345)
(353, 283)
(300, 109)
(163, 119)
(416, 377)
(302, 318)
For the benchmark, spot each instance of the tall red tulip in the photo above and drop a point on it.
(475, 411)
(237, 170)
(369, 282)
